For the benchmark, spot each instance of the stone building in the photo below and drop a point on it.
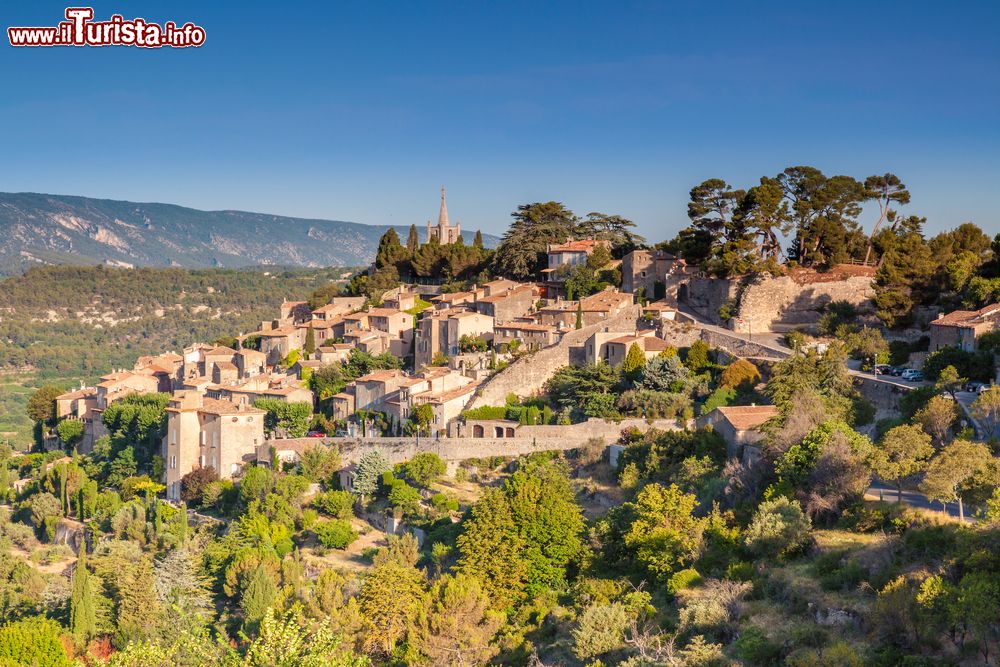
(963, 328)
(442, 330)
(444, 231)
(205, 432)
(648, 271)
(739, 426)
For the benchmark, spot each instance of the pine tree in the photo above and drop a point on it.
(413, 240)
(579, 315)
(478, 241)
(389, 250)
(310, 344)
(258, 597)
(83, 605)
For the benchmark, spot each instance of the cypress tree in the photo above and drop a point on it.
(184, 523)
(310, 344)
(634, 360)
(83, 605)
(258, 597)
(412, 241)
(478, 241)
(579, 315)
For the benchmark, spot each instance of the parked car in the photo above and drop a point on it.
(912, 375)
(315, 434)
(883, 369)
(898, 370)
(975, 387)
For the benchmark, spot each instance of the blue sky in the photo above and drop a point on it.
(361, 110)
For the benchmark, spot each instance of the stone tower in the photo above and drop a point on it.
(444, 232)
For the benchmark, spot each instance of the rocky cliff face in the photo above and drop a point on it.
(59, 229)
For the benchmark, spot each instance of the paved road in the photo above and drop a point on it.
(966, 399)
(917, 500)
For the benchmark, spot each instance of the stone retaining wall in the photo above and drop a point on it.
(527, 375)
(782, 304)
(540, 439)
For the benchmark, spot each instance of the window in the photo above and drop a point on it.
(173, 462)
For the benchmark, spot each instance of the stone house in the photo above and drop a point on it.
(250, 362)
(277, 343)
(205, 432)
(963, 328)
(343, 404)
(508, 304)
(366, 340)
(616, 349)
(396, 323)
(400, 299)
(371, 390)
(295, 312)
(338, 307)
(440, 331)
(531, 336)
(570, 254)
(739, 425)
(594, 309)
(453, 300)
(333, 353)
(648, 271)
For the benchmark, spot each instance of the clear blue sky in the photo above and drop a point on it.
(361, 110)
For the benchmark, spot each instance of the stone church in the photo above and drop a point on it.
(443, 231)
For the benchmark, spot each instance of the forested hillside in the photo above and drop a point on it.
(62, 324)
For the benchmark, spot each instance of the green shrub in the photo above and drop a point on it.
(754, 648)
(779, 528)
(335, 534)
(338, 504)
(683, 579)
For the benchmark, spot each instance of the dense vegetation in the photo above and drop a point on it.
(66, 324)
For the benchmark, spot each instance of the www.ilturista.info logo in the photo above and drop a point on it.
(79, 29)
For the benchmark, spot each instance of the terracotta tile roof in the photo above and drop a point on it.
(226, 365)
(526, 326)
(276, 333)
(746, 417)
(380, 376)
(583, 245)
(385, 312)
(969, 317)
(78, 393)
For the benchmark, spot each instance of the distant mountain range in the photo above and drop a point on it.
(61, 229)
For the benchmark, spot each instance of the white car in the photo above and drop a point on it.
(912, 375)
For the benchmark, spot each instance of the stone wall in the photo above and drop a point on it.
(540, 439)
(783, 304)
(706, 295)
(527, 375)
(740, 346)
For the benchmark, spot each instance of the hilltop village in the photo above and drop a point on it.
(577, 448)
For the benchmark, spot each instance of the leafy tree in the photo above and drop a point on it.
(193, 484)
(457, 626)
(390, 600)
(613, 228)
(986, 409)
(952, 470)
(292, 419)
(664, 535)
(423, 417)
(521, 251)
(824, 210)
(335, 534)
(41, 405)
(338, 504)
(32, 641)
(936, 417)
(886, 190)
(904, 451)
(137, 422)
(827, 470)
(741, 374)
(368, 473)
(779, 527)
(320, 463)
(697, 356)
(425, 468)
(70, 431)
(289, 641)
(949, 381)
